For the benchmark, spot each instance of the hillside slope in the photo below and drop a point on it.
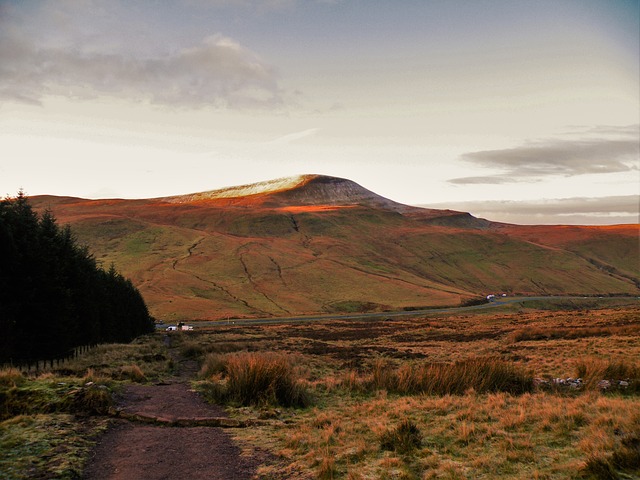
(315, 244)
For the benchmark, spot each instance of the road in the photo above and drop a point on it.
(497, 302)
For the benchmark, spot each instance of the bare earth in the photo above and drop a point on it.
(132, 450)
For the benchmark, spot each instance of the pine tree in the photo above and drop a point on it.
(53, 296)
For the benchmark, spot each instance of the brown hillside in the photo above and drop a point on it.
(314, 244)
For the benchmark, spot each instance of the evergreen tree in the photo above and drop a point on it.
(53, 296)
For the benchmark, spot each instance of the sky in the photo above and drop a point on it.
(513, 110)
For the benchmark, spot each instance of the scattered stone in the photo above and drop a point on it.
(578, 383)
(569, 382)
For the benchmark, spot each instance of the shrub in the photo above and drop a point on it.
(405, 438)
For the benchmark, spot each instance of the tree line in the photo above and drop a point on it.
(53, 295)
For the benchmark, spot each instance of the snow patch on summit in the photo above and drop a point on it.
(259, 188)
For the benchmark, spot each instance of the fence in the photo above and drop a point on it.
(44, 365)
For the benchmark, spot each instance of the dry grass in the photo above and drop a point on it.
(483, 374)
(133, 373)
(414, 398)
(432, 374)
(255, 379)
(10, 377)
(470, 436)
(594, 370)
(405, 438)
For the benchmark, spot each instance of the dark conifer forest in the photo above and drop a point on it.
(53, 295)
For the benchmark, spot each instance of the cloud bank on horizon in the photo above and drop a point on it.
(622, 209)
(423, 102)
(611, 150)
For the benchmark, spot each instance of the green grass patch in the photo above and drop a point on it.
(54, 396)
(41, 435)
(354, 306)
(46, 446)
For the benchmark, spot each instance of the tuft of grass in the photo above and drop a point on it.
(11, 377)
(95, 399)
(213, 364)
(593, 370)
(404, 439)
(482, 374)
(133, 373)
(555, 333)
(624, 458)
(259, 379)
(191, 349)
(327, 468)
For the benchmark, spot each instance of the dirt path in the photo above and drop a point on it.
(133, 450)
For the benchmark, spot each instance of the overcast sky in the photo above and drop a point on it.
(504, 107)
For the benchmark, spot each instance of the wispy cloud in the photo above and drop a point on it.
(610, 150)
(484, 180)
(292, 137)
(218, 72)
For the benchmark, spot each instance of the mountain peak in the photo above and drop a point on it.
(314, 191)
(299, 190)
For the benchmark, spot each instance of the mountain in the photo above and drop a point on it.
(318, 244)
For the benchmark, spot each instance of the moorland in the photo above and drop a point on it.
(477, 395)
(544, 388)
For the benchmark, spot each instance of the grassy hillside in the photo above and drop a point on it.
(614, 249)
(217, 259)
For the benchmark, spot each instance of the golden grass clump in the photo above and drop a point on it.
(133, 373)
(403, 439)
(594, 370)
(10, 377)
(258, 379)
(212, 365)
(482, 375)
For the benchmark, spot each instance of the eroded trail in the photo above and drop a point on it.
(134, 450)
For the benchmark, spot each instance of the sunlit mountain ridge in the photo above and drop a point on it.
(319, 244)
